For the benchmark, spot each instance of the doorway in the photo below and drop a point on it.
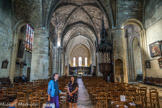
(137, 60)
(119, 75)
(28, 74)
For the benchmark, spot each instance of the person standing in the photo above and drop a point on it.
(72, 96)
(53, 90)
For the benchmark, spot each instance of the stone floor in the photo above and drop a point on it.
(83, 97)
(85, 102)
(158, 88)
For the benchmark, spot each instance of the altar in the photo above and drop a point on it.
(80, 71)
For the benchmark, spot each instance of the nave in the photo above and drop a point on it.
(114, 47)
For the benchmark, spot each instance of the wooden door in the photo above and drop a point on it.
(28, 73)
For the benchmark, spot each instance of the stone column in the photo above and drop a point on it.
(59, 60)
(13, 56)
(98, 73)
(119, 50)
(144, 51)
(62, 62)
(40, 63)
(54, 60)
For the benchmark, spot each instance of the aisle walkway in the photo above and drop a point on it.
(83, 97)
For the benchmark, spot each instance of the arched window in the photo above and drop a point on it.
(74, 61)
(86, 61)
(29, 38)
(80, 61)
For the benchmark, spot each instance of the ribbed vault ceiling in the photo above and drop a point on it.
(74, 18)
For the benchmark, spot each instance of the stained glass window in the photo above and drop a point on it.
(80, 61)
(86, 61)
(29, 38)
(74, 61)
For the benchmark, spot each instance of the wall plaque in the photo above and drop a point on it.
(160, 62)
(4, 64)
(147, 64)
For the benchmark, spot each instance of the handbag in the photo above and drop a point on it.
(49, 105)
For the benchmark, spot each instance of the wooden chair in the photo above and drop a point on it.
(21, 99)
(62, 99)
(143, 93)
(18, 88)
(118, 105)
(103, 102)
(116, 96)
(29, 93)
(11, 93)
(154, 99)
(43, 97)
(152, 89)
(2, 96)
(93, 95)
(24, 88)
(35, 100)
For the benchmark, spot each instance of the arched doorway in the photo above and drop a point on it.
(134, 43)
(22, 51)
(119, 75)
(137, 60)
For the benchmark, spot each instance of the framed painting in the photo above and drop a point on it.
(155, 49)
(160, 62)
(4, 64)
(22, 65)
(21, 49)
(147, 64)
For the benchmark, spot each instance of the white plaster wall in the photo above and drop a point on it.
(154, 33)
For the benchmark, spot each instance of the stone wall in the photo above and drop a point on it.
(23, 71)
(129, 9)
(153, 24)
(80, 51)
(6, 35)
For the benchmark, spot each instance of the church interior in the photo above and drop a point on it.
(112, 47)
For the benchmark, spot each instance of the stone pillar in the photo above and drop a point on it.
(59, 60)
(62, 62)
(13, 56)
(119, 50)
(54, 60)
(39, 63)
(144, 51)
(98, 73)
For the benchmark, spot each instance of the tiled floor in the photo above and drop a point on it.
(83, 97)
